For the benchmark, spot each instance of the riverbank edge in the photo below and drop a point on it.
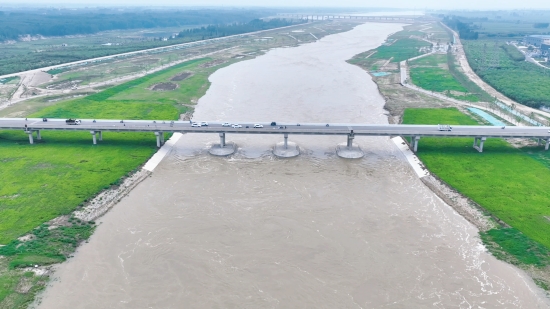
(474, 213)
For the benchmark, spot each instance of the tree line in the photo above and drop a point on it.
(50, 22)
(464, 29)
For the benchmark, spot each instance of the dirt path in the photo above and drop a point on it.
(461, 57)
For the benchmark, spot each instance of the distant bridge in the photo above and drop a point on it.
(397, 18)
(34, 126)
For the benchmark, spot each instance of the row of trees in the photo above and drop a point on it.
(521, 81)
(463, 29)
(14, 24)
(213, 31)
(18, 62)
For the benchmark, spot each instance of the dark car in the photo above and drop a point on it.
(44, 119)
(273, 123)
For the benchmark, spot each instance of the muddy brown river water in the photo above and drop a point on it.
(317, 231)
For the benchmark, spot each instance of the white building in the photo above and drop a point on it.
(536, 40)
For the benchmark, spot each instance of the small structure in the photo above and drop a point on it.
(536, 40)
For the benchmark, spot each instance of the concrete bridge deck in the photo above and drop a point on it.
(479, 133)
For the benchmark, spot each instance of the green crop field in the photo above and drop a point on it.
(438, 73)
(509, 182)
(401, 50)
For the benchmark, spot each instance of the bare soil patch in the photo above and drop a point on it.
(181, 76)
(164, 87)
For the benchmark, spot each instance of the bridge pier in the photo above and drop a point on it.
(478, 143)
(38, 136)
(547, 144)
(286, 149)
(100, 135)
(223, 148)
(31, 141)
(414, 143)
(222, 140)
(160, 138)
(349, 151)
(93, 137)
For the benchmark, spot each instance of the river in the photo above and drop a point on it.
(316, 231)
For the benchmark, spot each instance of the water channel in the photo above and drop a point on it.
(317, 231)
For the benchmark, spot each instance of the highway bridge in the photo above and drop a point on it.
(34, 126)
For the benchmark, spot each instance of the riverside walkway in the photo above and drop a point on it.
(34, 126)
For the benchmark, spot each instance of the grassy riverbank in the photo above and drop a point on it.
(508, 182)
(60, 173)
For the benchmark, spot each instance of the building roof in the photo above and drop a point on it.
(540, 36)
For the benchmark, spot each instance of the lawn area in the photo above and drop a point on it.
(52, 177)
(506, 181)
(438, 73)
(435, 79)
(63, 170)
(400, 50)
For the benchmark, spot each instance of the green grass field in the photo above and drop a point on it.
(70, 161)
(433, 73)
(510, 183)
(401, 50)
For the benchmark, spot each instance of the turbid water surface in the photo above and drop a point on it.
(317, 231)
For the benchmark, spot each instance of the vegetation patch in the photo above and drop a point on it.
(438, 73)
(181, 77)
(500, 70)
(435, 79)
(510, 245)
(506, 181)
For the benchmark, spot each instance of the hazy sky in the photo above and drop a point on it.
(418, 4)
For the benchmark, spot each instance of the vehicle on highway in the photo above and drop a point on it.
(258, 125)
(273, 123)
(44, 119)
(327, 125)
(204, 124)
(195, 124)
(444, 127)
(226, 124)
(503, 127)
(72, 121)
(297, 124)
(236, 125)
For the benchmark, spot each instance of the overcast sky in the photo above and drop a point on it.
(409, 4)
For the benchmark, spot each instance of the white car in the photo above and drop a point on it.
(236, 126)
(204, 124)
(258, 126)
(195, 124)
(226, 124)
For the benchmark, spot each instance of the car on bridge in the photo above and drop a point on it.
(72, 121)
(236, 125)
(204, 124)
(258, 125)
(226, 124)
(195, 124)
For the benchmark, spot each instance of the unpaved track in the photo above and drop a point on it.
(461, 56)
